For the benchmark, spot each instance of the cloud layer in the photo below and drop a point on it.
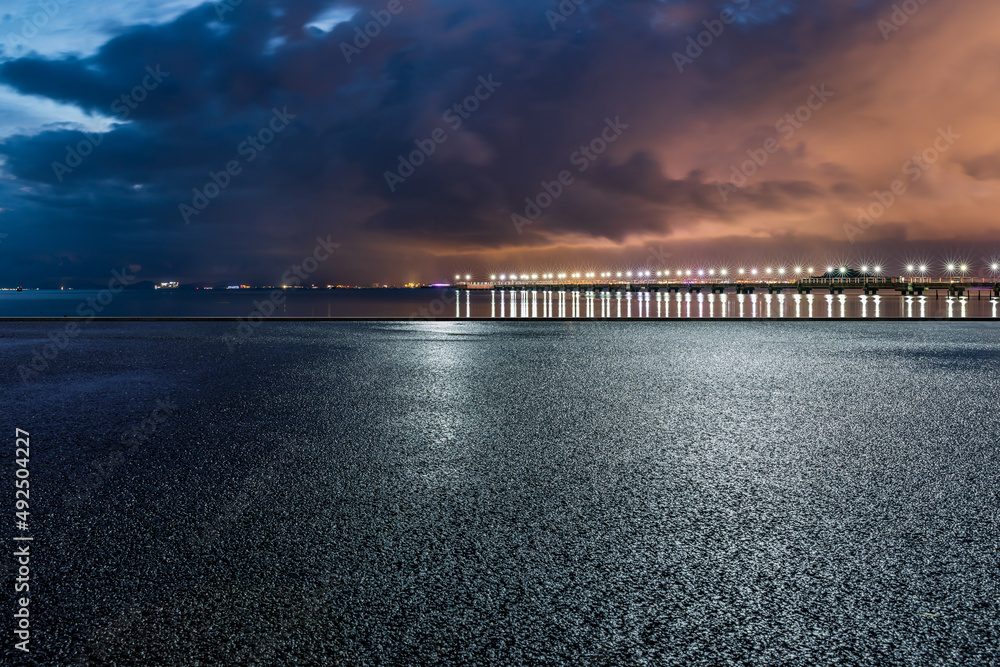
(642, 133)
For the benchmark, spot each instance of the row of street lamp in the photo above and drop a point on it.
(798, 271)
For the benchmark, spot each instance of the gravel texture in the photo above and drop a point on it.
(513, 493)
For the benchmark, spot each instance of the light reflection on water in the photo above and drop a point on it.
(537, 303)
(676, 305)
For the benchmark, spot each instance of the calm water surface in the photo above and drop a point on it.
(447, 302)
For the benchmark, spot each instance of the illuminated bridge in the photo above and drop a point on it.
(954, 278)
(833, 284)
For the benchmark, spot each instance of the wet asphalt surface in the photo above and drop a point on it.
(512, 493)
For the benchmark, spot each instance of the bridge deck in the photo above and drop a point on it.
(811, 284)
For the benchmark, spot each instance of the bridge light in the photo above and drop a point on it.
(811, 270)
(951, 267)
(753, 272)
(742, 271)
(458, 277)
(843, 269)
(701, 272)
(768, 271)
(878, 269)
(923, 268)
(724, 272)
(864, 269)
(798, 270)
(829, 269)
(995, 267)
(493, 277)
(688, 272)
(781, 271)
(964, 268)
(909, 268)
(468, 277)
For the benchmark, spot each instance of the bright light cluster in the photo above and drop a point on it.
(951, 268)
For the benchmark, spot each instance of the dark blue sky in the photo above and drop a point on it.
(217, 142)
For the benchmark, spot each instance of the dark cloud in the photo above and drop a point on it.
(325, 173)
(984, 167)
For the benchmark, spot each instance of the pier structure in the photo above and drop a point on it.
(868, 285)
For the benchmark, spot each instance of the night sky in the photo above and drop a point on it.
(113, 114)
